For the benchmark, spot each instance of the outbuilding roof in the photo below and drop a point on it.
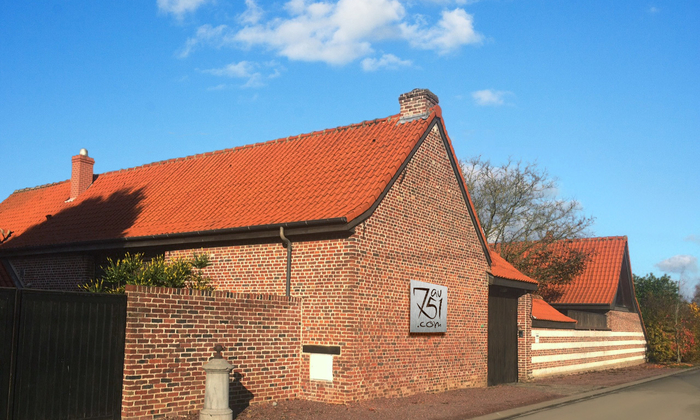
(543, 311)
(503, 269)
(598, 284)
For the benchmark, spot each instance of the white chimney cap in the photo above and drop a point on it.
(83, 152)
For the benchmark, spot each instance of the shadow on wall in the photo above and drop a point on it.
(238, 395)
(94, 219)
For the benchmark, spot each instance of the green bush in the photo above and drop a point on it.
(132, 269)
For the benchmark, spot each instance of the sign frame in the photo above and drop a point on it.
(428, 307)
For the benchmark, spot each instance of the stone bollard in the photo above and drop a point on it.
(216, 388)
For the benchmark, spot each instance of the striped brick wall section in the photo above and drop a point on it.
(556, 351)
(170, 334)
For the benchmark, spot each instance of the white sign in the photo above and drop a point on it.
(428, 307)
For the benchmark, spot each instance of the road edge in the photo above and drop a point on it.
(533, 408)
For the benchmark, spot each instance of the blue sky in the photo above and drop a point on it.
(604, 95)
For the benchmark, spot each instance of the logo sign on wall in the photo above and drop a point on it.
(428, 307)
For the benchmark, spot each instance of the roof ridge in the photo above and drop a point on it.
(597, 238)
(50, 184)
(365, 123)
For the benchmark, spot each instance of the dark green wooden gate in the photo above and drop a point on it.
(65, 354)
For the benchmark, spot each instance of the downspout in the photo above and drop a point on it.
(288, 244)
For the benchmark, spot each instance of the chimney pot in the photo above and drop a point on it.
(417, 103)
(81, 174)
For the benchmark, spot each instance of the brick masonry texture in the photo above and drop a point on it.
(356, 290)
(524, 342)
(81, 175)
(170, 334)
(61, 272)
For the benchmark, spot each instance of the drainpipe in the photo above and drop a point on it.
(288, 244)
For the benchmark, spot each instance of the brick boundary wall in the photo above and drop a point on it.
(563, 351)
(170, 334)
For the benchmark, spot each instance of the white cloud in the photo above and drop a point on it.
(693, 238)
(333, 33)
(488, 97)
(252, 14)
(679, 264)
(208, 35)
(653, 10)
(455, 28)
(387, 61)
(336, 32)
(242, 69)
(245, 70)
(179, 7)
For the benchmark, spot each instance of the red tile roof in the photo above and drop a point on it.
(543, 311)
(331, 174)
(599, 281)
(503, 269)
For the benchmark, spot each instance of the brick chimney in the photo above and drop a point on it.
(417, 103)
(81, 174)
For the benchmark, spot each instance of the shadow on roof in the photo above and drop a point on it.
(93, 219)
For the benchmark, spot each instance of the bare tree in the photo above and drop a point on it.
(525, 220)
(518, 202)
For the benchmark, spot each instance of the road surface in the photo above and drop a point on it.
(673, 398)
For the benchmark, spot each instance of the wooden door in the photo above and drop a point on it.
(503, 336)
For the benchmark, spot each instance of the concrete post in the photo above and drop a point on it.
(216, 388)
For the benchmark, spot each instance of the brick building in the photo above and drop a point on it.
(376, 214)
(595, 322)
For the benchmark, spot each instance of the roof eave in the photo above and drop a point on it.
(513, 284)
(584, 306)
(292, 229)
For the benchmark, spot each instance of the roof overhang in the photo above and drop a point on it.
(200, 238)
(584, 306)
(541, 323)
(513, 284)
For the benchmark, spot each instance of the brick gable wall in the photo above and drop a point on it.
(421, 231)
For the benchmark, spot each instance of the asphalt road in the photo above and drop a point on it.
(673, 398)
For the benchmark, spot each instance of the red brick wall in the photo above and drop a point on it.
(322, 273)
(356, 290)
(525, 342)
(60, 272)
(421, 231)
(624, 321)
(170, 335)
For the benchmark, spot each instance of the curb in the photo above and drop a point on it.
(531, 409)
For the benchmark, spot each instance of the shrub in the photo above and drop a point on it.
(132, 269)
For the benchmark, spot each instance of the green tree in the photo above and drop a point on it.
(658, 297)
(523, 217)
(132, 269)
